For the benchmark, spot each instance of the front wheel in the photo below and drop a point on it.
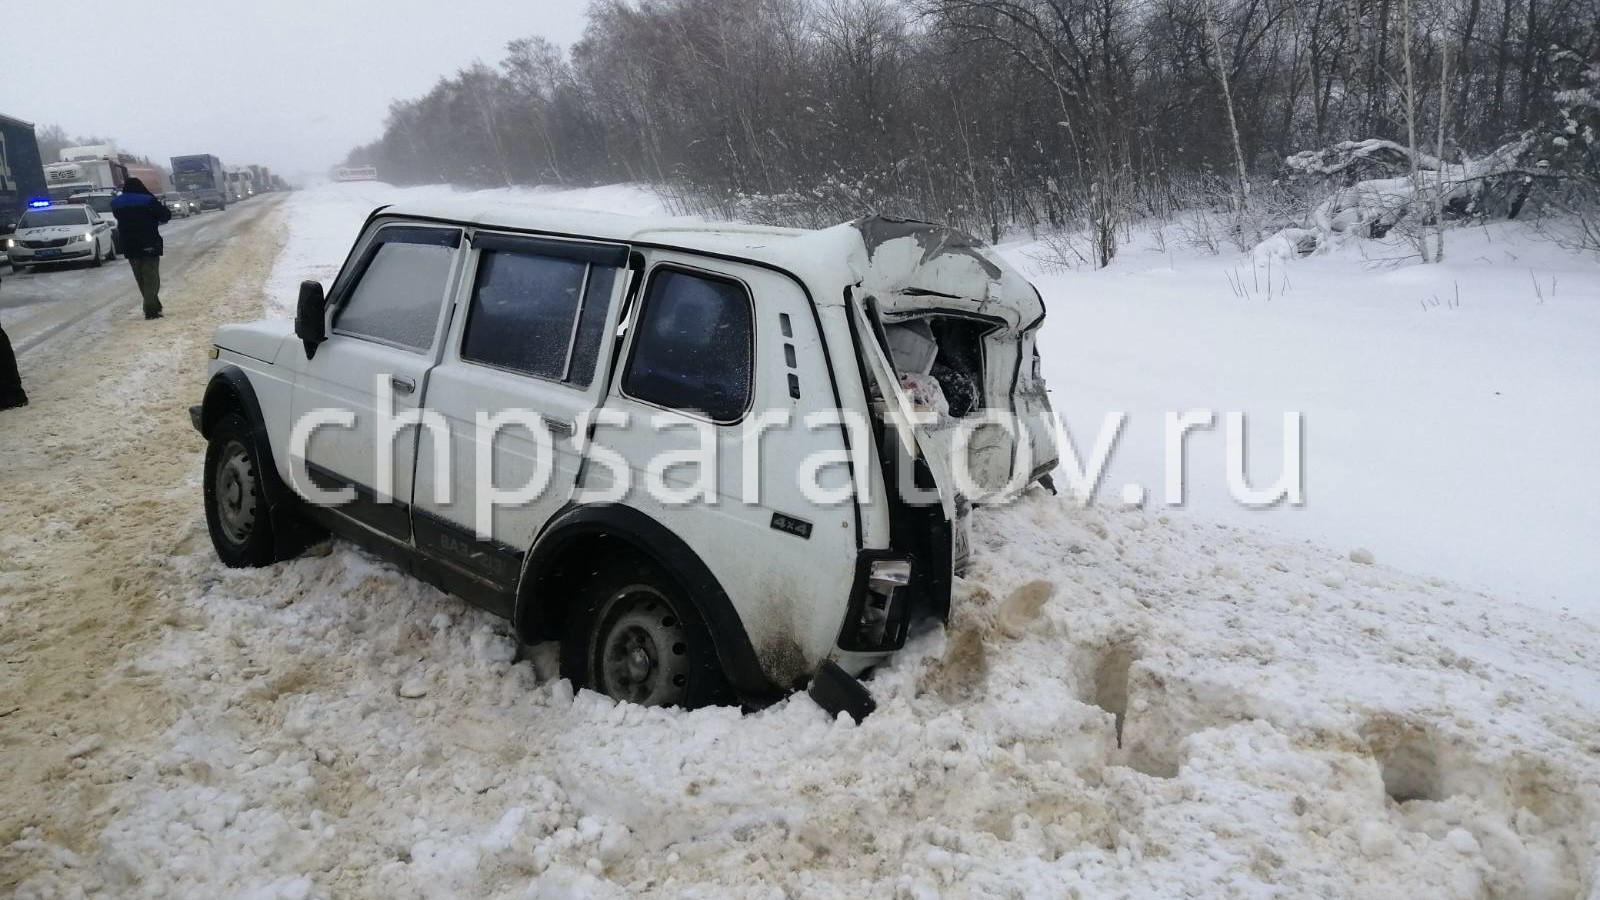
(112, 256)
(634, 636)
(235, 498)
(99, 258)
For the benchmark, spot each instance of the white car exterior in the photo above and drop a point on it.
(59, 234)
(698, 334)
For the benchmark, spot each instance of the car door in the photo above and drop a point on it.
(387, 319)
(101, 227)
(531, 340)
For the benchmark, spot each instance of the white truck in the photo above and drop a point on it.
(83, 174)
(754, 449)
(241, 184)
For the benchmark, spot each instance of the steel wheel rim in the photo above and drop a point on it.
(235, 491)
(642, 655)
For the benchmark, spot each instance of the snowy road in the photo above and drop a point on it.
(65, 305)
(1125, 704)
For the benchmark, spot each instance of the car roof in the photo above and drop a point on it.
(55, 206)
(902, 262)
(688, 232)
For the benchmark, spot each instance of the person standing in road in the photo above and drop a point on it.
(139, 219)
(11, 393)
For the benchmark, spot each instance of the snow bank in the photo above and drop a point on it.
(1291, 723)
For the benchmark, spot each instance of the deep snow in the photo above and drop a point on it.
(1292, 721)
(1451, 411)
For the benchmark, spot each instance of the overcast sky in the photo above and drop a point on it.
(289, 84)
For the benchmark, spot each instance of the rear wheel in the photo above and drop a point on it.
(236, 505)
(634, 636)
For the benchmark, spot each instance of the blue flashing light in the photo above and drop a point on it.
(38, 204)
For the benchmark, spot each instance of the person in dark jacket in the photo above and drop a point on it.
(139, 219)
(11, 393)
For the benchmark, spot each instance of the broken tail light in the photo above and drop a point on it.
(879, 605)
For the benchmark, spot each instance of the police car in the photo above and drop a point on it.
(49, 233)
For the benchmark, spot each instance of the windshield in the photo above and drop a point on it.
(48, 218)
(99, 203)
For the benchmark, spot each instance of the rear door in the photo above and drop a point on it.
(921, 434)
(531, 347)
(388, 319)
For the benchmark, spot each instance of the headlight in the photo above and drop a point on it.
(10, 242)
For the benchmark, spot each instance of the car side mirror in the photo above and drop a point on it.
(311, 316)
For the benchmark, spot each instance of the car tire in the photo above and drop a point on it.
(99, 258)
(112, 256)
(235, 496)
(634, 636)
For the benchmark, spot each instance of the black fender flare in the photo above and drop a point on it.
(659, 544)
(231, 380)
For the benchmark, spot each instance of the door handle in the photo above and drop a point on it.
(559, 426)
(402, 385)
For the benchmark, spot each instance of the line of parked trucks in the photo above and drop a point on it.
(92, 175)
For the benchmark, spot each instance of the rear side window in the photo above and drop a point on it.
(538, 314)
(694, 346)
(523, 311)
(398, 296)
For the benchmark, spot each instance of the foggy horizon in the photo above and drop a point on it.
(293, 88)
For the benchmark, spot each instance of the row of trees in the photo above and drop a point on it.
(53, 139)
(985, 113)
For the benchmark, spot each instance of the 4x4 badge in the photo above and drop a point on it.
(791, 525)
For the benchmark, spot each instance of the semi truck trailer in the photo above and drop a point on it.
(153, 177)
(21, 173)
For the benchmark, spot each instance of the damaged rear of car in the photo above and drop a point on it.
(944, 331)
(954, 330)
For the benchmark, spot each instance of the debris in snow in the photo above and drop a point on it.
(838, 692)
(1363, 556)
(413, 687)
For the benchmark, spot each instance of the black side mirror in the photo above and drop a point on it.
(311, 316)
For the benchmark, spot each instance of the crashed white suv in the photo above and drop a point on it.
(707, 458)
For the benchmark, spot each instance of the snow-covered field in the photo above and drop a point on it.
(1451, 411)
(1128, 702)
